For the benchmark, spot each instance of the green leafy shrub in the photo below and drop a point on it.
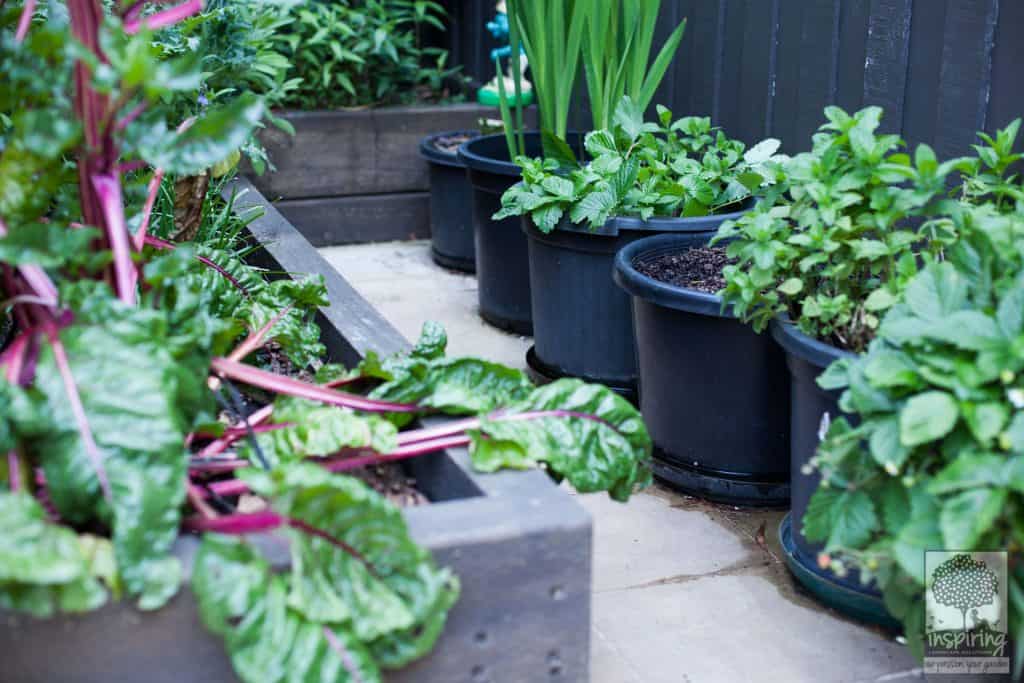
(834, 253)
(936, 459)
(670, 168)
(354, 53)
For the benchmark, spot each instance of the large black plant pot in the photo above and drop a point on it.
(502, 268)
(812, 408)
(709, 386)
(582, 323)
(451, 208)
(502, 263)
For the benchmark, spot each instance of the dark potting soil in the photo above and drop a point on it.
(449, 144)
(698, 268)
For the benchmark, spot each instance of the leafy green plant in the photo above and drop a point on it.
(670, 168)
(355, 53)
(111, 439)
(991, 175)
(934, 458)
(835, 253)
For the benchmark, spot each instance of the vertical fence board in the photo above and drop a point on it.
(924, 60)
(853, 34)
(885, 63)
(965, 76)
(1006, 99)
(746, 83)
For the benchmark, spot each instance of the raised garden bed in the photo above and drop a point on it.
(513, 530)
(356, 176)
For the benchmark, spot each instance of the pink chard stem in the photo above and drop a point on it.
(293, 387)
(167, 17)
(93, 451)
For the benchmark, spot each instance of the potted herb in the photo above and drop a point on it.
(821, 269)
(364, 85)
(451, 202)
(932, 454)
(112, 441)
(643, 178)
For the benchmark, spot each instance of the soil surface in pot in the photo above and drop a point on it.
(699, 268)
(387, 479)
(449, 144)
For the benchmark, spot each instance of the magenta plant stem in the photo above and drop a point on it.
(314, 392)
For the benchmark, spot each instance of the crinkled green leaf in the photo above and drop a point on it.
(359, 568)
(268, 641)
(608, 451)
(45, 567)
(844, 519)
(140, 404)
(319, 430)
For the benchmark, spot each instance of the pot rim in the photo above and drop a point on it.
(661, 293)
(806, 348)
(478, 162)
(433, 155)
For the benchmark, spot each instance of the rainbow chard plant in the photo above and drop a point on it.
(122, 415)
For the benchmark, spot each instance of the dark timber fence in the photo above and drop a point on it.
(942, 69)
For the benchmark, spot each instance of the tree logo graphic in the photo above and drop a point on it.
(966, 612)
(964, 583)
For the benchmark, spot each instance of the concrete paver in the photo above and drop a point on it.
(684, 591)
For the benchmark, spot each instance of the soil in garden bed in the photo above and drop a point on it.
(449, 144)
(388, 479)
(699, 268)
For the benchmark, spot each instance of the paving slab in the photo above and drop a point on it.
(685, 591)
(404, 283)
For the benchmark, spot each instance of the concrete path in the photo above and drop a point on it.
(684, 591)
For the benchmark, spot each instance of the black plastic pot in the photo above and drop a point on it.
(451, 213)
(709, 386)
(502, 263)
(582, 324)
(811, 409)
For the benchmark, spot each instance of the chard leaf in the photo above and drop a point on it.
(432, 342)
(584, 432)
(45, 567)
(353, 562)
(139, 403)
(319, 430)
(210, 140)
(456, 385)
(268, 641)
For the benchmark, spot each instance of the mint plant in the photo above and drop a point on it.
(835, 250)
(670, 168)
(934, 457)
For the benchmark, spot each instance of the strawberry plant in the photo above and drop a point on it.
(934, 458)
(835, 250)
(637, 168)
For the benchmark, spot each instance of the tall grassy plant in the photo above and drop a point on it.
(616, 54)
(551, 33)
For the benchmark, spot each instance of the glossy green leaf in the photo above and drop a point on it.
(353, 561)
(584, 432)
